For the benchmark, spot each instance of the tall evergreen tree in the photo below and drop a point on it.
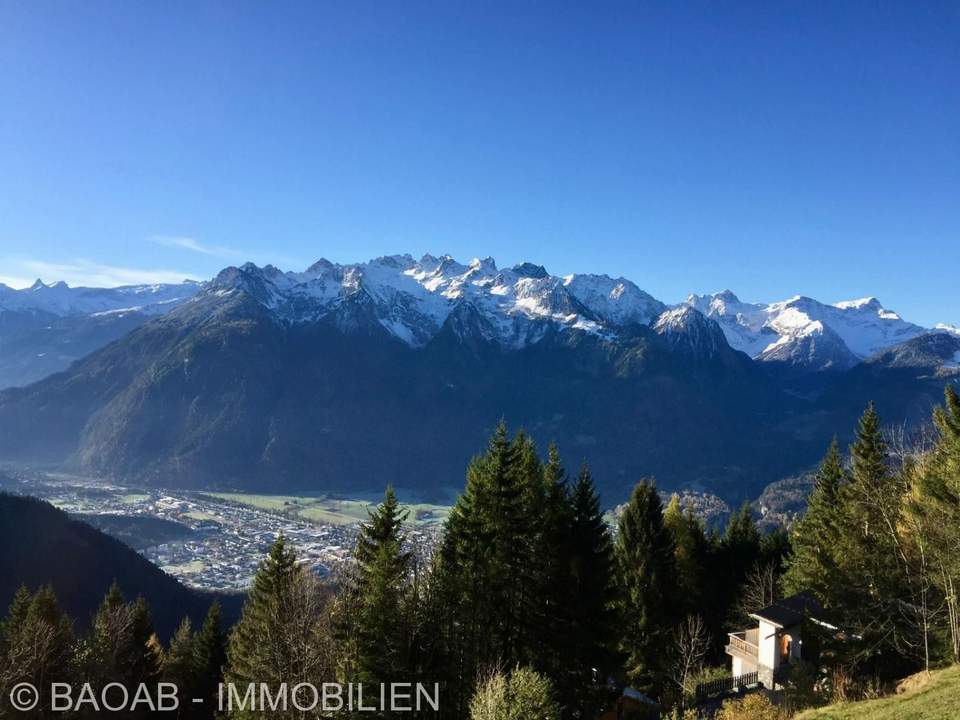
(179, 665)
(282, 635)
(873, 584)
(814, 565)
(873, 500)
(16, 614)
(647, 572)
(482, 565)
(592, 626)
(541, 517)
(379, 627)
(549, 557)
(210, 658)
(742, 536)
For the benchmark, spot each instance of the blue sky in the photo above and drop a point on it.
(772, 148)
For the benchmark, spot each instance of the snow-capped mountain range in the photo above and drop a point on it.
(413, 299)
(343, 376)
(803, 331)
(62, 300)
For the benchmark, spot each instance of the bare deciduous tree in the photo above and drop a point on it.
(760, 589)
(690, 645)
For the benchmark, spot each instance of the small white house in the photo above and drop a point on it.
(770, 647)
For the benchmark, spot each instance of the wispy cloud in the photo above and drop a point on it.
(224, 252)
(86, 273)
(188, 243)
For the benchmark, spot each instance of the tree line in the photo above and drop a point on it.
(537, 605)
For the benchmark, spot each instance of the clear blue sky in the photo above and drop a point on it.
(771, 147)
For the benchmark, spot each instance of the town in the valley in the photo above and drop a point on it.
(212, 541)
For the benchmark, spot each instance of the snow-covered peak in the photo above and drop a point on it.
(858, 304)
(689, 330)
(617, 300)
(766, 332)
(58, 298)
(678, 319)
(944, 327)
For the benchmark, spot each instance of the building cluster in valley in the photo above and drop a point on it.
(207, 542)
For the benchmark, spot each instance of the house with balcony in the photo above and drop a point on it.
(769, 648)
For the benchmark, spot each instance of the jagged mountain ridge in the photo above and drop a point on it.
(411, 299)
(397, 370)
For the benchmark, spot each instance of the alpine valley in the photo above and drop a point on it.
(351, 376)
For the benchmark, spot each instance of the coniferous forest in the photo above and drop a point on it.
(537, 605)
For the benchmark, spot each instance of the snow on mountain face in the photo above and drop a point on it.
(743, 324)
(618, 301)
(62, 300)
(413, 299)
(688, 329)
(804, 329)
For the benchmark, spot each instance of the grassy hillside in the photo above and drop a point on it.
(933, 698)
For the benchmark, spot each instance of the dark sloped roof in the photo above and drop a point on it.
(789, 611)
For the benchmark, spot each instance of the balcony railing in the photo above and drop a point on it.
(744, 642)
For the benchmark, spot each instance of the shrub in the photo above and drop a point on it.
(521, 695)
(751, 707)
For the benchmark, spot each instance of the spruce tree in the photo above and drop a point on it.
(16, 614)
(873, 582)
(814, 565)
(737, 554)
(590, 659)
(872, 502)
(647, 572)
(282, 636)
(210, 657)
(255, 652)
(179, 666)
(380, 628)
(742, 536)
(484, 571)
(540, 558)
(384, 525)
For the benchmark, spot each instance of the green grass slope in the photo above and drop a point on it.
(933, 698)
